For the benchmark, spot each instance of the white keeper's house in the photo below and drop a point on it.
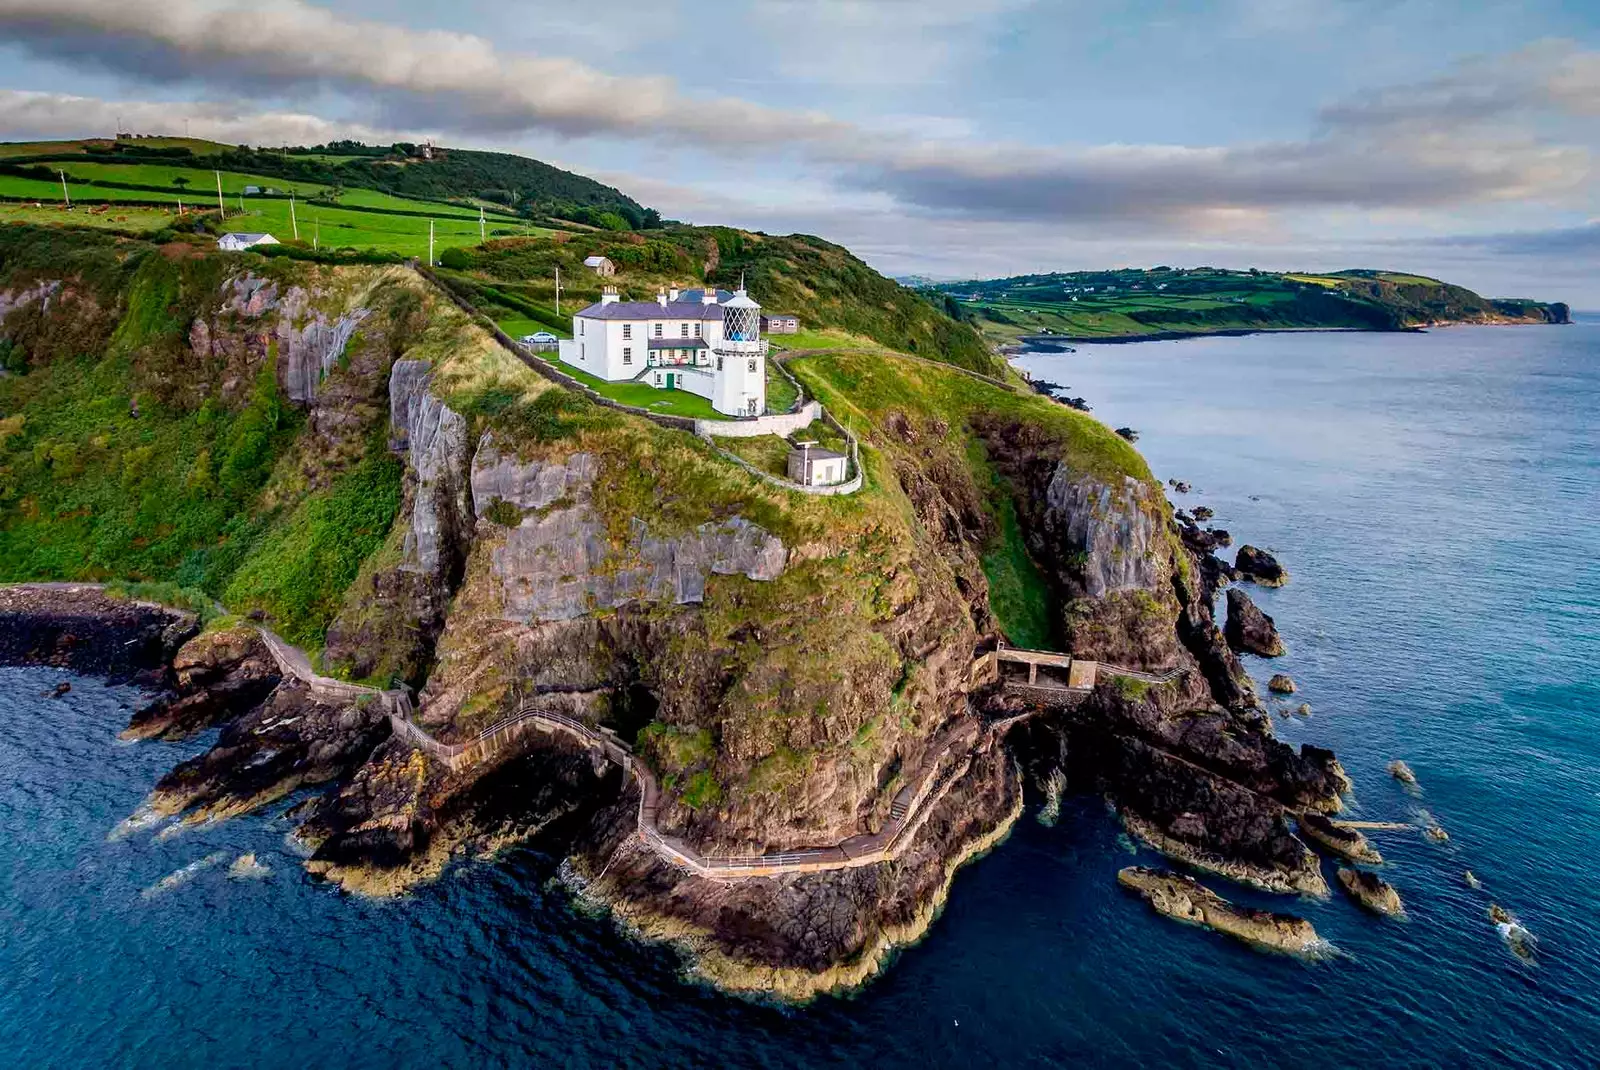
(707, 342)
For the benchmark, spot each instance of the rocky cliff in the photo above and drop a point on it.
(793, 674)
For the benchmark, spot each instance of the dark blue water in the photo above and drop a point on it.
(1435, 497)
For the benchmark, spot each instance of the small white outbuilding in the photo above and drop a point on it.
(234, 243)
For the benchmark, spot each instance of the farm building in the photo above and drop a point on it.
(708, 346)
(600, 265)
(239, 242)
(812, 466)
(780, 324)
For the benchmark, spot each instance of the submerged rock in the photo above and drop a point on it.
(1258, 566)
(1371, 891)
(1340, 839)
(1282, 684)
(1249, 630)
(1187, 900)
(1472, 880)
(245, 867)
(1402, 772)
(1303, 710)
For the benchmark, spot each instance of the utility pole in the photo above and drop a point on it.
(558, 289)
(221, 209)
(293, 222)
(481, 237)
(430, 243)
(316, 240)
(64, 194)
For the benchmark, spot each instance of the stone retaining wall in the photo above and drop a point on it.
(782, 424)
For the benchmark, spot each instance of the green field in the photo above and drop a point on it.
(671, 402)
(134, 219)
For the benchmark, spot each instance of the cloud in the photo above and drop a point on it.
(1546, 76)
(1582, 241)
(29, 116)
(1421, 147)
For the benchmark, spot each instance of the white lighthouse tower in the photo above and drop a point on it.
(741, 382)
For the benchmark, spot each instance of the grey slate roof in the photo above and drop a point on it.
(678, 343)
(819, 454)
(652, 310)
(698, 294)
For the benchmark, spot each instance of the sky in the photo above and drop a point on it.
(949, 138)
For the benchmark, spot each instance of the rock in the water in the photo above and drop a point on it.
(60, 689)
(1472, 880)
(1203, 513)
(1128, 433)
(1258, 566)
(1186, 899)
(1249, 630)
(1402, 772)
(1436, 833)
(1303, 710)
(1282, 684)
(1178, 485)
(245, 867)
(1371, 891)
(1340, 839)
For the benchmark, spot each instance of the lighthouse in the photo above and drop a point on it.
(741, 354)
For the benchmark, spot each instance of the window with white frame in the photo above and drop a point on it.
(683, 330)
(627, 330)
(697, 330)
(658, 330)
(580, 326)
(627, 354)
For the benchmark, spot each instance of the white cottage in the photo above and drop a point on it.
(239, 242)
(706, 345)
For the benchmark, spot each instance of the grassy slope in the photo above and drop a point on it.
(864, 388)
(198, 488)
(820, 282)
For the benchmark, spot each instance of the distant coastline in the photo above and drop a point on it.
(1063, 343)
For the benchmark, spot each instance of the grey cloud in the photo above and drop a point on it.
(462, 84)
(29, 115)
(1549, 75)
(1581, 241)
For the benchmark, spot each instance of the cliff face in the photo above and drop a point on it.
(793, 673)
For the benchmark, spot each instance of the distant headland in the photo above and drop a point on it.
(1149, 304)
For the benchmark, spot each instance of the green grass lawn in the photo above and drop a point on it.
(671, 402)
(781, 394)
(336, 228)
(770, 453)
(1017, 592)
(517, 326)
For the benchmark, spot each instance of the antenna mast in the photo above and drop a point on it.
(558, 289)
(221, 209)
(64, 194)
(430, 243)
(293, 222)
(481, 237)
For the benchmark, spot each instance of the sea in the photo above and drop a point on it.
(1436, 499)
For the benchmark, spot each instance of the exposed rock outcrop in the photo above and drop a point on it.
(1282, 684)
(1371, 891)
(1342, 840)
(309, 343)
(1249, 629)
(1258, 566)
(83, 629)
(219, 675)
(1187, 900)
(559, 561)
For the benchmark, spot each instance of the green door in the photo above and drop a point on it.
(672, 381)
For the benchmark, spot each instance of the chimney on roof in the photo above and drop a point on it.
(608, 296)
(708, 296)
(661, 299)
(672, 294)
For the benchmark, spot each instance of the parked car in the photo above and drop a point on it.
(542, 338)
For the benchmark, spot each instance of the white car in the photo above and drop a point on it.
(542, 338)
